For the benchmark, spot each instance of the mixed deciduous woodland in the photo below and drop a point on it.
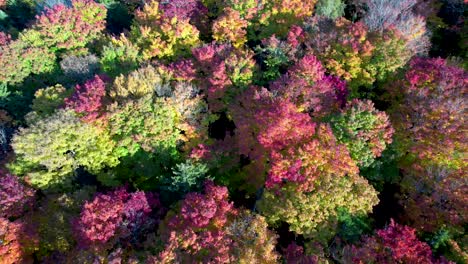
(233, 131)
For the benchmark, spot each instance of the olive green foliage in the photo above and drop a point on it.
(147, 123)
(50, 150)
(316, 214)
(119, 56)
(19, 60)
(385, 168)
(330, 8)
(54, 218)
(146, 134)
(139, 83)
(47, 100)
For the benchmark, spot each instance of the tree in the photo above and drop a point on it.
(434, 197)
(197, 230)
(223, 72)
(160, 36)
(47, 100)
(330, 8)
(53, 219)
(428, 112)
(277, 17)
(315, 214)
(115, 215)
(19, 240)
(363, 129)
(78, 69)
(349, 51)
(383, 15)
(87, 99)
(15, 197)
(395, 243)
(206, 227)
(139, 83)
(63, 29)
(306, 85)
(230, 28)
(253, 241)
(20, 60)
(119, 56)
(50, 150)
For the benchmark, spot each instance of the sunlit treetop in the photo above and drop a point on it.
(51, 149)
(67, 29)
(162, 37)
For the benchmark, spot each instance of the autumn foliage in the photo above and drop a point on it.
(233, 131)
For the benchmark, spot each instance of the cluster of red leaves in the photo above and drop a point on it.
(197, 232)
(87, 99)
(298, 150)
(432, 110)
(182, 9)
(295, 254)
(18, 240)
(15, 197)
(210, 61)
(222, 72)
(306, 85)
(112, 216)
(394, 244)
(318, 155)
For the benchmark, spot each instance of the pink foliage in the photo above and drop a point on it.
(264, 122)
(100, 219)
(394, 244)
(199, 210)
(295, 254)
(113, 215)
(183, 70)
(306, 85)
(196, 232)
(88, 98)
(295, 36)
(271, 128)
(15, 197)
(210, 61)
(182, 9)
(223, 72)
(5, 39)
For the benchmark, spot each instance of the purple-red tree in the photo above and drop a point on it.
(15, 197)
(393, 244)
(87, 99)
(429, 109)
(196, 232)
(306, 85)
(112, 216)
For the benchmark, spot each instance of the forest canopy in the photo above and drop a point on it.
(233, 131)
